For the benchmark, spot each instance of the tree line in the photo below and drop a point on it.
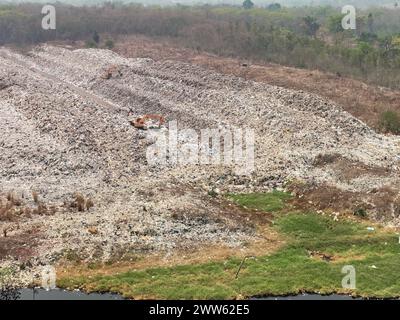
(301, 37)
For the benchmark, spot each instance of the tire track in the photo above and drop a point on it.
(111, 107)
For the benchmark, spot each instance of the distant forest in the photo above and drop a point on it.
(261, 3)
(305, 37)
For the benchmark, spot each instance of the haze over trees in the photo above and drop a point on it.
(305, 37)
(263, 3)
(248, 4)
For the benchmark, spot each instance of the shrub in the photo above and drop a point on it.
(80, 202)
(90, 44)
(28, 212)
(10, 197)
(109, 44)
(89, 204)
(35, 196)
(360, 212)
(390, 122)
(41, 209)
(96, 37)
(213, 193)
(274, 6)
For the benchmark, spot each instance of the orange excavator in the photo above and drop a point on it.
(148, 121)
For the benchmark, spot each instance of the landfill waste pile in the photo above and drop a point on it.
(75, 173)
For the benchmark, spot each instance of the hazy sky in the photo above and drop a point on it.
(358, 3)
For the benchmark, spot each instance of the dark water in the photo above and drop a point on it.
(59, 294)
(307, 296)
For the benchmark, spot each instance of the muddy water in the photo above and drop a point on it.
(59, 294)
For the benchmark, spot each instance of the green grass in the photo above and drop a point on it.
(390, 122)
(288, 271)
(270, 202)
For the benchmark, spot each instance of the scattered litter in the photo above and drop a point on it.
(336, 216)
(93, 230)
(320, 255)
(112, 71)
(148, 121)
(371, 229)
(99, 156)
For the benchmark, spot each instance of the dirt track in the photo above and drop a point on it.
(66, 130)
